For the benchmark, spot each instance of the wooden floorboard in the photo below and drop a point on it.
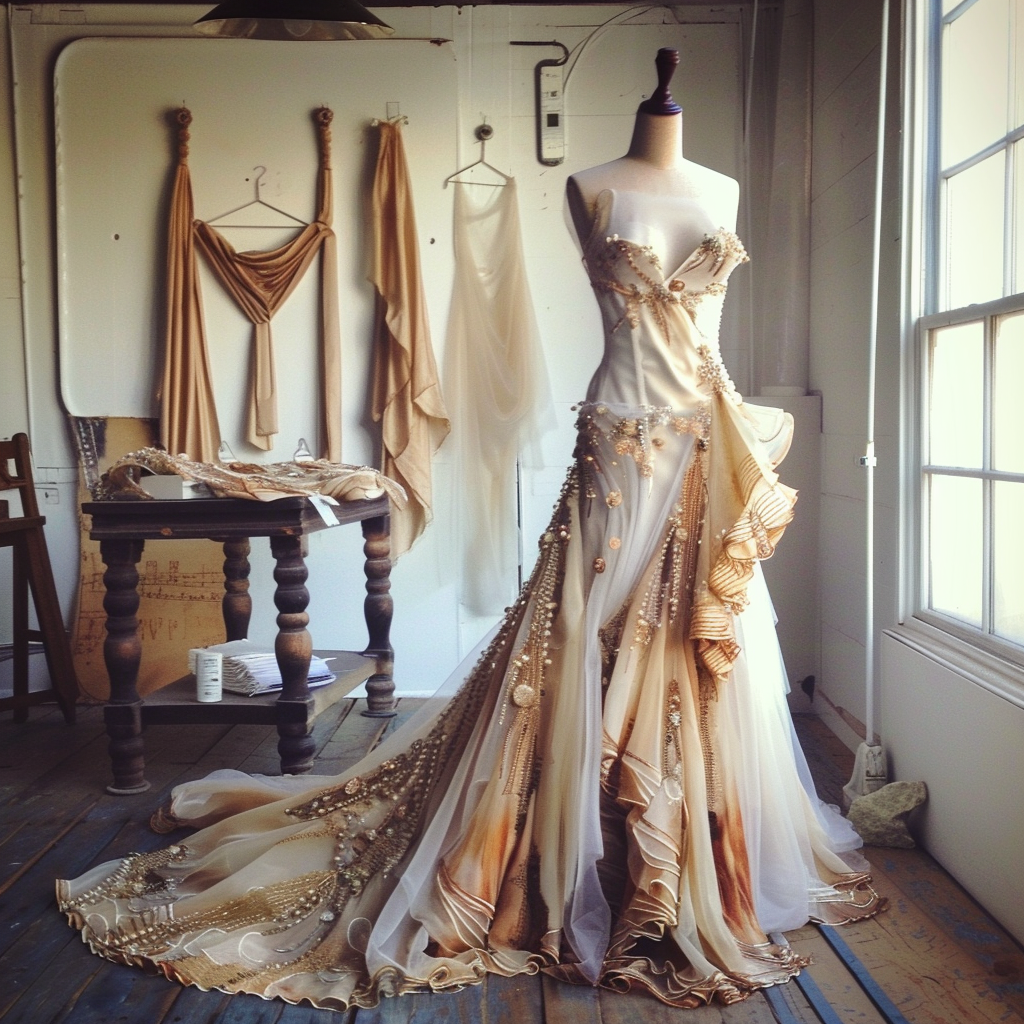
(569, 1004)
(945, 956)
(32, 750)
(834, 981)
(513, 999)
(936, 953)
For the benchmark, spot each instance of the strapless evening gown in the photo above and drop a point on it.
(609, 790)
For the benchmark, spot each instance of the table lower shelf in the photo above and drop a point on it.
(176, 704)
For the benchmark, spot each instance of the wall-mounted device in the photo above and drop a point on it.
(549, 80)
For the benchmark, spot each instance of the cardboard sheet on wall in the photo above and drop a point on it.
(252, 104)
(181, 581)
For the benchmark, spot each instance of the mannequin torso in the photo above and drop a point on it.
(655, 165)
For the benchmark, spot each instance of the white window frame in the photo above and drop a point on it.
(992, 662)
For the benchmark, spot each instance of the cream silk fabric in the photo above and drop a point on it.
(253, 481)
(406, 395)
(259, 282)
(496, 384)
(608, 790)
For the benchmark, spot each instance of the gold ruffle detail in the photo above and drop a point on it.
(748, 511)
(850, 898)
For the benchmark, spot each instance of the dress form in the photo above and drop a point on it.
(609, 789)
(654, 164)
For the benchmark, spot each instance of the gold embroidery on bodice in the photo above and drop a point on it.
(651, 288)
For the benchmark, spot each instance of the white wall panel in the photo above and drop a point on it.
(842, 670)
(964, 742)
(792, 573)
(844, 203)
(840, 297)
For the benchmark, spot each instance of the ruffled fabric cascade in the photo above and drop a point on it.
(609, 790)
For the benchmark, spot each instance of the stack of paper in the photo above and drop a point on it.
(251, 669)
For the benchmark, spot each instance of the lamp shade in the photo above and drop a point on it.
(293, 20)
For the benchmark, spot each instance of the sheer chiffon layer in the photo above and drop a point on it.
(609, 790)
(496, 386)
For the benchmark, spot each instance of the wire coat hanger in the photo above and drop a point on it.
(483, 133)
(257, 181)
(394, 115)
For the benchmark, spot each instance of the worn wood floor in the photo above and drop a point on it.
(938, 956)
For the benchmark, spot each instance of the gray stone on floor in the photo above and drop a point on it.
(880, 818)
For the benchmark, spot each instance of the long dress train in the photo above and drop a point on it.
(611, 790)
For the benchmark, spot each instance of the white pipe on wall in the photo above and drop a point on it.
(868, 459)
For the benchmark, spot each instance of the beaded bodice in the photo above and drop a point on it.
(661, 325)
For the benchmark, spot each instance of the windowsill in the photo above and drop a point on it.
(987, 670)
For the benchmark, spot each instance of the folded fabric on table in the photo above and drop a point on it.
(256, 481)
(251, 669)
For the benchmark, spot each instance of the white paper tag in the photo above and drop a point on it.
(322, 503)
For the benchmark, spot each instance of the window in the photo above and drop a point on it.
(971, 383)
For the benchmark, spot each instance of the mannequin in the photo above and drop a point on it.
(655, 164)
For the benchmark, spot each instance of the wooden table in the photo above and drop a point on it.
(123, 527)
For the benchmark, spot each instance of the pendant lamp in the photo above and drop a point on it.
(305, 20)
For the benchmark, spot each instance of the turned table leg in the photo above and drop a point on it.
(122, 653)
(294, 648)
(379, 609)
(236, 604)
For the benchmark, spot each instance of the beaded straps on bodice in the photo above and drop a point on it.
(635, 272)
(672, 320)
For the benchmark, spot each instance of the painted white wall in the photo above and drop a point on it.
(932, 719)
(843, 180)
(792, 572)
(965, 743)
(13, 379)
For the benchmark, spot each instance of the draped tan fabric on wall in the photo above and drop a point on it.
(259, 282)
(407, 397)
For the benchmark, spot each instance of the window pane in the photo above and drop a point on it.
(1008, 559)
(974, 233)
(1008, 408)
(956, 396)
(955, 547)
(975, 93)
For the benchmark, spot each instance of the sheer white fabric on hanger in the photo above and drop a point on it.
(496, 386)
